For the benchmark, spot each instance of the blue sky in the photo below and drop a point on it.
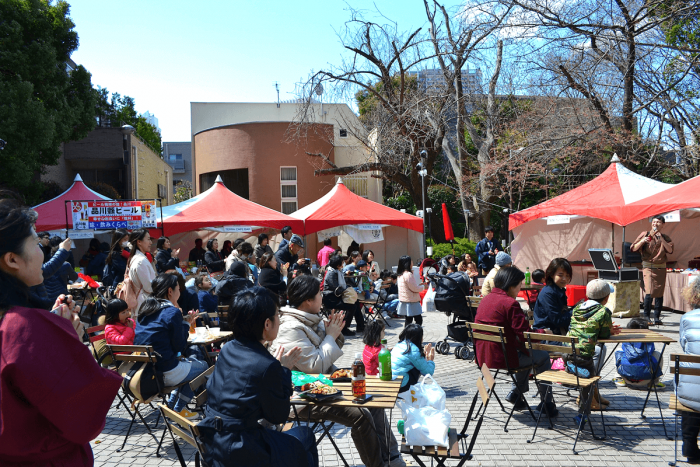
(166, 54)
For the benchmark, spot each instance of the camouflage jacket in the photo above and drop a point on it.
(590, 321)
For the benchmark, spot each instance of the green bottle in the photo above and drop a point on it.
(384, 363)
(527, 276)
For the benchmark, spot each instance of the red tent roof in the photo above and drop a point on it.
(340, 206)
(681, 196)
(52, 213)
(609, 196)
(219, 206)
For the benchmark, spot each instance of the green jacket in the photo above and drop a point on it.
(590, 321)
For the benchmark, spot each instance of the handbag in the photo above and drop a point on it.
(349, 296)
(126, 290)
(140, 380)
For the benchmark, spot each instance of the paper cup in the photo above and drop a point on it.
(214, 331)
(201, 332)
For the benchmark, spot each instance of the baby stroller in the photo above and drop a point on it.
(451, 298)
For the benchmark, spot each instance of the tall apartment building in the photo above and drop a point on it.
(434, 79)
(179, 156)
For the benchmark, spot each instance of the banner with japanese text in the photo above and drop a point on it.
(111, 215)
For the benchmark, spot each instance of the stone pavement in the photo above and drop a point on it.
(631, 441)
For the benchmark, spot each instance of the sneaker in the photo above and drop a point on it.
(619, 382)
(578, 420)
(184, 413)
(659, 385)
(397, 462)
(347, 333)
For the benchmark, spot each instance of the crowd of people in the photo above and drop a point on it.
(274, 302)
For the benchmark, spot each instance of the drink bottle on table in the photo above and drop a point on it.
(358, 376)
(527, 276)
(384, 363)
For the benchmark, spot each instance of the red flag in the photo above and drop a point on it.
(449, 234)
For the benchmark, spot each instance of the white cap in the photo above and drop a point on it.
(358, 355)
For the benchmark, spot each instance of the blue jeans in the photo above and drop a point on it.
(308, 440)
(185, 392)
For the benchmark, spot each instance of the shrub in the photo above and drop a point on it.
(462, 246)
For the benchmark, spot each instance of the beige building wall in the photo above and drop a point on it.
(151, 172)
(347, 150)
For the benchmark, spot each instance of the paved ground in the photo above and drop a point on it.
(631, 441)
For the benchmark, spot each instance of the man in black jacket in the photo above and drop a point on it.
(486, 251)
(286, 236)
(288, 254)
(197, 253)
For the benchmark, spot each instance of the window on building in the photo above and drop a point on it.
(288, 189)
(357, 184)
(343, 133)
(175, 157)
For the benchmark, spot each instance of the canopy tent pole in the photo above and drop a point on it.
(612, 224)
(623, 246)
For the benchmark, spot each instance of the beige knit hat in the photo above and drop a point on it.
(598, 289)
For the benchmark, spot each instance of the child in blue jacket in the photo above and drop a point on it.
(410, 359)
(634, 359)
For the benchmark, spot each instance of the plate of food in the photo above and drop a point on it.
(318, 391)
(341, 375)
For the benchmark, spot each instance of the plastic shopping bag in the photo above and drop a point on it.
(427, 426)
(425, 395)
(429, 300)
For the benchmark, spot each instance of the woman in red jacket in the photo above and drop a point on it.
(500, 308)
(53, 396)
(120, 329)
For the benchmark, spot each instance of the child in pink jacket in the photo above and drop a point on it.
(409, 290)
(120, 329)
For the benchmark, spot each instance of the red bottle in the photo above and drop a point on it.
(358, 376)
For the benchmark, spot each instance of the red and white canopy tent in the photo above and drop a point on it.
(685, 195)
(52, 213)
(618, 196)
(212, 213)
(341, 210)
(607, 197)
(219, 207)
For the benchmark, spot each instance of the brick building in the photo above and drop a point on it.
(111, 156)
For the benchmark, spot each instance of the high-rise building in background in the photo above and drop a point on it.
(432, 79)
(150, 118)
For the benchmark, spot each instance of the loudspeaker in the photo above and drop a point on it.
(629, 255)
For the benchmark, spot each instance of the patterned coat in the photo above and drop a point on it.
(590, 321)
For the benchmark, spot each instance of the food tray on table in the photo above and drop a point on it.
(317, 391)
(341, 375)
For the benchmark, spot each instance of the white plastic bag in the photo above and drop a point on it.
(429, 300)
(425, 395)
(427, 426)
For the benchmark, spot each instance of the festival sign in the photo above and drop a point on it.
(114, 214)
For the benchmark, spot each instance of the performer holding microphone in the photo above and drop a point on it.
(654, 246)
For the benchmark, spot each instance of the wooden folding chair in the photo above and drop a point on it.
(376, 310)
(497, 334)
(199, 399)
(457, 441)
(222, 312)
(673, 403)
(143, 354)
(98, 342)
(571, 381)
(185, 429)
(100, 351)
(196, 385)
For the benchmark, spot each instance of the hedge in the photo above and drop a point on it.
(461, 246)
